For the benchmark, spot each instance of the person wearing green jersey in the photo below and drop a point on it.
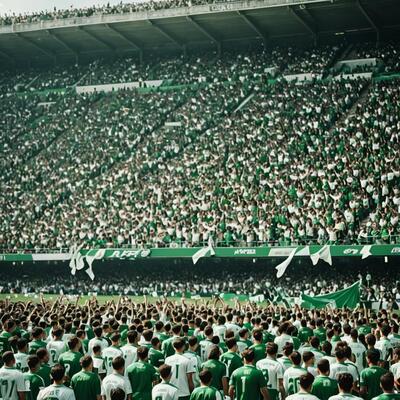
(370, 377)
(33, 382)
(345, 383)
(387, 385)
(159, 331)
(285, 360)
(205, 391)
(304, 332)
(37, 342)
(45, 369)
(305, 382)
(85, 383)
(5, 335)
(57, 391)
(12, 385)
(156, 357)
(320, 331)
(292, 375)
(247, 382)
(167, 345)
(142, 375)
(165, 390)
(231, 358)
(218, 370)
(324, 387)
(258, 347)
(71, 358)
(272, 371)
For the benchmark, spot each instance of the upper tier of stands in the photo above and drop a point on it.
(240, 158)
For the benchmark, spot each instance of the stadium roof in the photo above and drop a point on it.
(179, 29)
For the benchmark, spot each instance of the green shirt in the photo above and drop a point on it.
(141, 375)
(320, 333)
(86, 385)
(44, 373)
(304, 333)
(204, 393)
(4, 345)
(218, 371)
(35, 345)
(167, 346)
(156, 358)
(324, 387)
(259, 352)
(370, 377)
(71, 361)
(33, 383)
(247, 381)
(232, 361)
(388, 396)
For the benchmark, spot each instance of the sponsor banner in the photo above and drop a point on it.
(222, 252)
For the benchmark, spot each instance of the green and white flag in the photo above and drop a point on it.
(281, 268)
(204, 252)
(323, 254)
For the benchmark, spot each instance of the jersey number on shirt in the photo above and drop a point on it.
(6, 389)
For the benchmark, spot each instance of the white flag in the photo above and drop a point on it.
(76, 261)
(366, 251)
(324, 254)
(205, 251)
(97, 256)
(281, 268)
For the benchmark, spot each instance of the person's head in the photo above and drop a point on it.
(98, 331)
(86, 362)
(287, 349)
(295, 358)
(33, 363)
(314, 342)
(165, 372)
(373, 356)
(74, 344)
(345, 382)
(327, 348)
(205, 377)
(179, 345)
(214, 353)
(118, 364)
(147, 335)
(115, 338)
(96, 350)
(132, 336)
(340, 354)
(57, 333)
(385, 330)
(22, 345)
(208, 331)
(248, 356)
(43, 355)
(193, 343)
(308, 358)
(306, 382)
(143, 353)
(117, 394)
(258, 335)
(8, 359)
(58, 373)
(272, 349)
(370, 339)
(323, 367)
(387, 382)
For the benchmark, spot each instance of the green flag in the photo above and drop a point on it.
(349, 298)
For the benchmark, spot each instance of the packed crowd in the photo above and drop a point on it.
(122, 350)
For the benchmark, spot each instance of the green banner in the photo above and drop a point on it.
(345, 298)
(221, 252)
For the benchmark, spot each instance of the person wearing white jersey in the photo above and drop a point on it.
(231, 326)
(272, 371)
(191, 355)
(291, 377)
(182, 370)
(116, 379)
(98, 339)
(130, 349)
(12, 383)
(395, 367)
(165, 390)
(220, 328)
(57, 391)
(384, 345)
(341, 366)
(111, 352)
(305, 382)
(285, 360)
(56, 346)
(358, 350)
(345, 383)
(21, 357)
(206, 344)
(283, 337)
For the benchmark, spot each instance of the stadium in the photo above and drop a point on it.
(200, 184)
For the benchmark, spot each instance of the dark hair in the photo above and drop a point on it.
(21, 343)
(58, 372)
(272, 349)
(73, 342)
(295, 357)
(307, 356)
(258, 335)
(373, 356)
(214, 353)
(306, 381)
(165, 371)
(33, 361)
(387, 382)
(205, 377)
(8, 357)
(192, 341)
(345, 381)
(248, 355)
(230, 343)
(115, 337)
(42, 353)
(118, 363)
(96, 348)
(131, 336)
(288, 349)
(142, 352)
(178, 344)
(117, 394)
(86, 361)
(323, 365)
(147, 334)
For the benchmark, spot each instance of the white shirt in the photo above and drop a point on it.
(96, 341)
(340, 368)
(130, 354)
(358, 349)
(181, 366)
(196, 363)
(164, 391)
(205, 349)
(113, 381)
(302, 396)
(233, 327)
(344, 396)
(291, 378)
(21, 361)
(395, 370)
(282, 340)
(108, 354)
(55, 348)
(219, 330)
(15, 383)
(384, 346)
(59, 392)
(272, 370)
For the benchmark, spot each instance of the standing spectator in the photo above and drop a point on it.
(323, 386)
(86, 384)
(116, 380)
(164, 390)
(206, 391)
(57, 390)
(370, 377)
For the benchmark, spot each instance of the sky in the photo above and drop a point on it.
(23, 6)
